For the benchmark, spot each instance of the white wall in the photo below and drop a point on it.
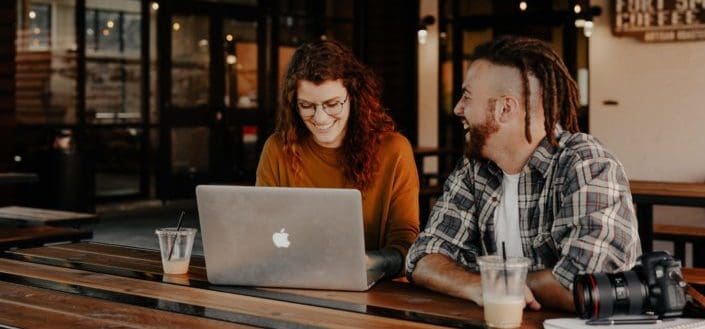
(658, 127)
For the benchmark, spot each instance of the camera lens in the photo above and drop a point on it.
(601, 295)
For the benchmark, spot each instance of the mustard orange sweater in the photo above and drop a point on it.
(390, 204)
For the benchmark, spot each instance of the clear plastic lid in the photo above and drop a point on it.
(172, 231)
(496, 261)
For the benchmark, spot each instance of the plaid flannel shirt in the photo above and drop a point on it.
(575, 211)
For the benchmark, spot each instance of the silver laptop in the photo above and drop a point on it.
(284, 237)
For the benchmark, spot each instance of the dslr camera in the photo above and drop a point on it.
(654, 286)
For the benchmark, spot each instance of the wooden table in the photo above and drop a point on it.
(89, 285)
(38, 216)
(646, 194)
(11, 237)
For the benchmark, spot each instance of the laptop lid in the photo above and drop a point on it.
(283, 237)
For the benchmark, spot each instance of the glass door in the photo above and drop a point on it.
(208, 79)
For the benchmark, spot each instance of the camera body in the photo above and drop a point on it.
(662, 274)
(655, 285)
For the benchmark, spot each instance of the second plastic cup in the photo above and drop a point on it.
(175, 247)
(503, 290)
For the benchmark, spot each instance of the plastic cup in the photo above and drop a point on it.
(503, 290)
(176, 248)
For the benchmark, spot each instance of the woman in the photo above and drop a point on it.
(333, 132)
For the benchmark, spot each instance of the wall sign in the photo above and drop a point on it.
(659, 20)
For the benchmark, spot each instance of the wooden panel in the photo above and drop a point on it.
(289, 312)
(693, 190)
(28, 307)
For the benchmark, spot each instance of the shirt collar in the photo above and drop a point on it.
(542, 157)
(539, 161)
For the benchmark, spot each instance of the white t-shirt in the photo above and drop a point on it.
(506, 218)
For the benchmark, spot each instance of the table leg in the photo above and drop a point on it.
(645, 217)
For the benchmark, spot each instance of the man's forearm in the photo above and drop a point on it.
(549, 292)
(440, 273)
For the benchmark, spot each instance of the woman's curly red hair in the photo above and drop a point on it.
(328, 60)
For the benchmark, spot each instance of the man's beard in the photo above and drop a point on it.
(478, 137)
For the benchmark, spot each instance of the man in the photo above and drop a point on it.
(529, 179)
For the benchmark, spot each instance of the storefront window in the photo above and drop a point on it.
(113, 74)
(45, 63)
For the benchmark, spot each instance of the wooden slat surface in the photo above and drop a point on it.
(28, 307)
(126, 252)
(37, 235)
(44, 216)
(118, 262)
(387, 294)
(692, 190)
(283, 311)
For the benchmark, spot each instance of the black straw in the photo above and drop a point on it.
(504, 260)
(178, 227)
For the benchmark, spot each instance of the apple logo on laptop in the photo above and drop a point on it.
(281, 239)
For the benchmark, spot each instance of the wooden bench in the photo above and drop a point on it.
(694, 275)
(432, 183)
(18, 178)
(21, 237)
(37, 216)
(680, 235)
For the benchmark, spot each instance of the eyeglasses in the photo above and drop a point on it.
(308, 110)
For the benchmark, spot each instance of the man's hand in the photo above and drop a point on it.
(529, 299)
(440, 273)
(531, 302)
(545, 288)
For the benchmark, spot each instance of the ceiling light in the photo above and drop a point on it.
(587, 29)
(422, 33)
